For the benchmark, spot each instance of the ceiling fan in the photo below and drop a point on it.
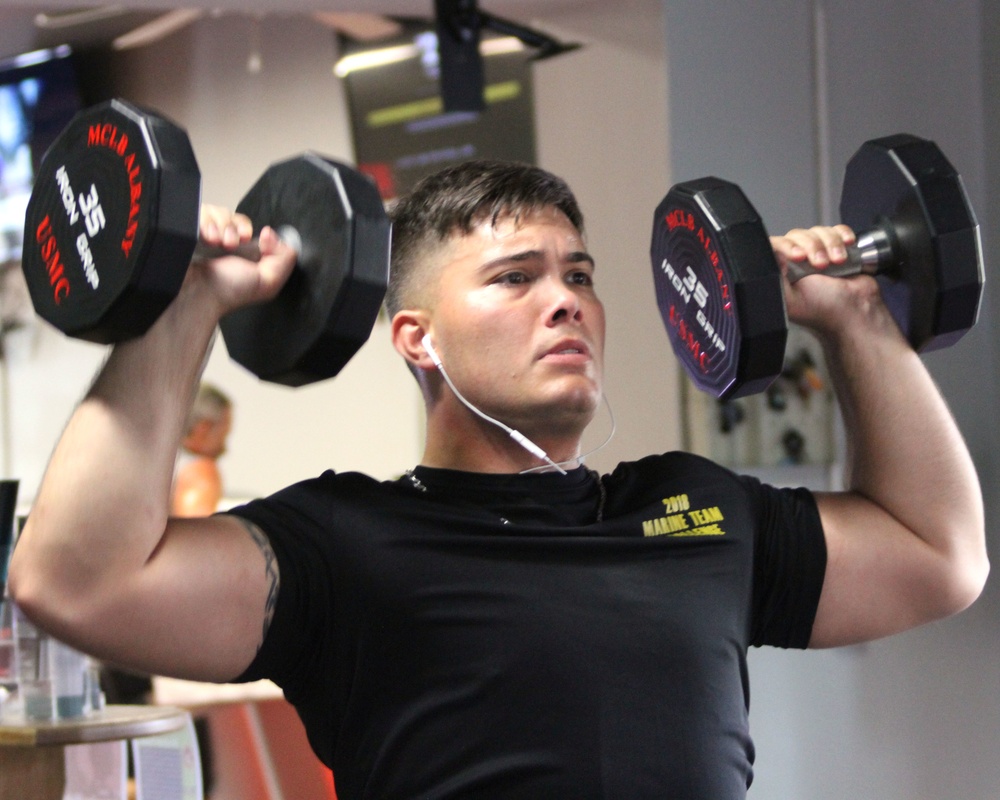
(355, 25)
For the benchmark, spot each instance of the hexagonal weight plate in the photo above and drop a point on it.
(112, 222)
(718, 288)
(327, 309)
(905, 185)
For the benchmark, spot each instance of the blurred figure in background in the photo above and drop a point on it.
(197, 481)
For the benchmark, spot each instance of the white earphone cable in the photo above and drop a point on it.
(517, 436)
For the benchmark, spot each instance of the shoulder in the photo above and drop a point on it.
(316, 503)
(675, 467)
(198, 468)
(705, 483)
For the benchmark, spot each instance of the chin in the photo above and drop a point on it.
(573, 413)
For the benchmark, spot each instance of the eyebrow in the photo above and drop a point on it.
(575, 257)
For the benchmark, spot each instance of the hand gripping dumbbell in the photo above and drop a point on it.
(112, 225)
(719, 288)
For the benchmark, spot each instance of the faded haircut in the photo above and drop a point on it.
(455, 200)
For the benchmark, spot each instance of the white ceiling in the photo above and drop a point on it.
(18, 32)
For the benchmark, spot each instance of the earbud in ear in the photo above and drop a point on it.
(426, 342)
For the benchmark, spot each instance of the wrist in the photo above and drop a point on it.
(853, 316)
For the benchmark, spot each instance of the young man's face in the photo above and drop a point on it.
(517, 323)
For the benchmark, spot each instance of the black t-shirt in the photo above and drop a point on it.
(458, 635)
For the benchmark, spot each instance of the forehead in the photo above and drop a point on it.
(488, 239)
(514, 229)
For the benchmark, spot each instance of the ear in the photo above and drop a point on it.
(408, 328)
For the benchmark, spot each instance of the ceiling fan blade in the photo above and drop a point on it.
(363, 27)
(70, 19)
(160, 27)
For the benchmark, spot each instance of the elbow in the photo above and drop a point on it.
(41, 598)
(964, 583)
(977, 580)
(19, 580)
(25, 587)
(963, 565)
(975, 568)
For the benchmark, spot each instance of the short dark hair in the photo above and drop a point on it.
(458, 198)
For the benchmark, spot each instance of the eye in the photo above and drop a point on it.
(580, 277)
(512, 278)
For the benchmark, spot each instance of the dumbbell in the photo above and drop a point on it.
(112, 225)
(719, 287)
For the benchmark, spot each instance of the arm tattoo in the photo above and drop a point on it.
(270, 573)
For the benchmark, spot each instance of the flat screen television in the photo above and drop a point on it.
(39, 95)
(400, 129)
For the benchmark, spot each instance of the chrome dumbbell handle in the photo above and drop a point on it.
(872, 254)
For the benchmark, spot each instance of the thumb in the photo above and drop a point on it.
(277, 261)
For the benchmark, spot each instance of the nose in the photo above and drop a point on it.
(564, 303)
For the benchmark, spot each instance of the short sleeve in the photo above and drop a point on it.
(789, 566)
(303, 602)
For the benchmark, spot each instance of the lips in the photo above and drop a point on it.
(568, 348)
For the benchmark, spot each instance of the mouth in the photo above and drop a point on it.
(569, 349)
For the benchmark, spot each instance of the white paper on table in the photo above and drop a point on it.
(96, 771)
(168, 766)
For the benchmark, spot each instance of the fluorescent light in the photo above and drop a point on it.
(393, 55)
(501, 46)
(374, 58)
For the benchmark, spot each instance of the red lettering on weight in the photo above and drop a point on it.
(135, 192)
(679, 218)
(49, 250)
(713, 257)
(108, 135)
(688, 339)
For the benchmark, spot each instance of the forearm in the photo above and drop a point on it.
(103, 504)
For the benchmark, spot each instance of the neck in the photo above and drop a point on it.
(458, 439)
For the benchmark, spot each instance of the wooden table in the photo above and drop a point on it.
(32, 759)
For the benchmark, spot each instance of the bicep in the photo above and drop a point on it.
(880, 578)
(200, 607)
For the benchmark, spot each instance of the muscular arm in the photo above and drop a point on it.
(906, 541)
(100, 564)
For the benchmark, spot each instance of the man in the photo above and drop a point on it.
(197, 487)
(487, 626)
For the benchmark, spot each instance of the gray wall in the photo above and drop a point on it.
(753, 99)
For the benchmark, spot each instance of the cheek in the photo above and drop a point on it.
(492, 327)
(490, 349)
(599, 324)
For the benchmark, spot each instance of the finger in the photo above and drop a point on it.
(846, 233)
(210, 222)
(242, 227)
(822, 244)
(269, 241)
(787, 248)
(811, 244)
(220, 226)
(276, 263)
(831, 240)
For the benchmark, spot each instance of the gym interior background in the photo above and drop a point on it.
(775, 97)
